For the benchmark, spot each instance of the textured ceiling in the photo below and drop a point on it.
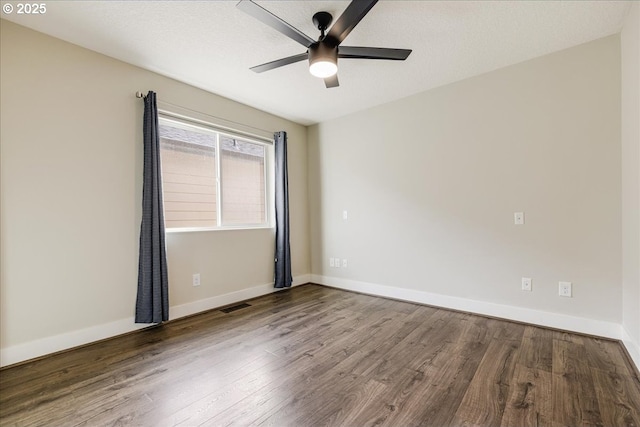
(212, 44)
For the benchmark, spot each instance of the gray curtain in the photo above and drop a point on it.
(152, 303)
(283, 277)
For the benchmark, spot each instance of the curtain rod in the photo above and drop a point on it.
(143, 96)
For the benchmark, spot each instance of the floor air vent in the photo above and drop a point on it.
(235, 307)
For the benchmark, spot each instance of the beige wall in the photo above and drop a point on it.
(71, 184)
(630, 40)
(431, 183)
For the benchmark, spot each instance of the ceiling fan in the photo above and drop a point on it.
(323, 54)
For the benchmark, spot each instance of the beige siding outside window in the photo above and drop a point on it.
(243, 184)
(192, 193)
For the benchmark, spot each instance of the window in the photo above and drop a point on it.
(212, 179)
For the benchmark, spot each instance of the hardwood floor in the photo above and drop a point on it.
(315, 356)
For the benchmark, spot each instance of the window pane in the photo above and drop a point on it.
(188, 177)
(242, 178)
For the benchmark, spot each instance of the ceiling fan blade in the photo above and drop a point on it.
(332, 81)
(280, 63)
(266, 17)
(373, 53)
(352, 15)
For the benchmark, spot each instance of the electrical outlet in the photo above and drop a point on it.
(337, 262)
(332, 262)
(344, 263)
(196, 279)
(526, 284)
(564, 289)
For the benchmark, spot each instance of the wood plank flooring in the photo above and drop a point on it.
(316, 356)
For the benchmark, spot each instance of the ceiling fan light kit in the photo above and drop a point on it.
(323, 60)
(323, 54)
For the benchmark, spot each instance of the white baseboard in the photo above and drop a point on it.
(633, 348)
(526, 315)
(32, 349)
(199, 306)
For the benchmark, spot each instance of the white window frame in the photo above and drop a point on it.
(198, 125)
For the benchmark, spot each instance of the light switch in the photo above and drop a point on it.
(518, 218)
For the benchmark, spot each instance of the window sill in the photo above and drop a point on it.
(228, 228)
